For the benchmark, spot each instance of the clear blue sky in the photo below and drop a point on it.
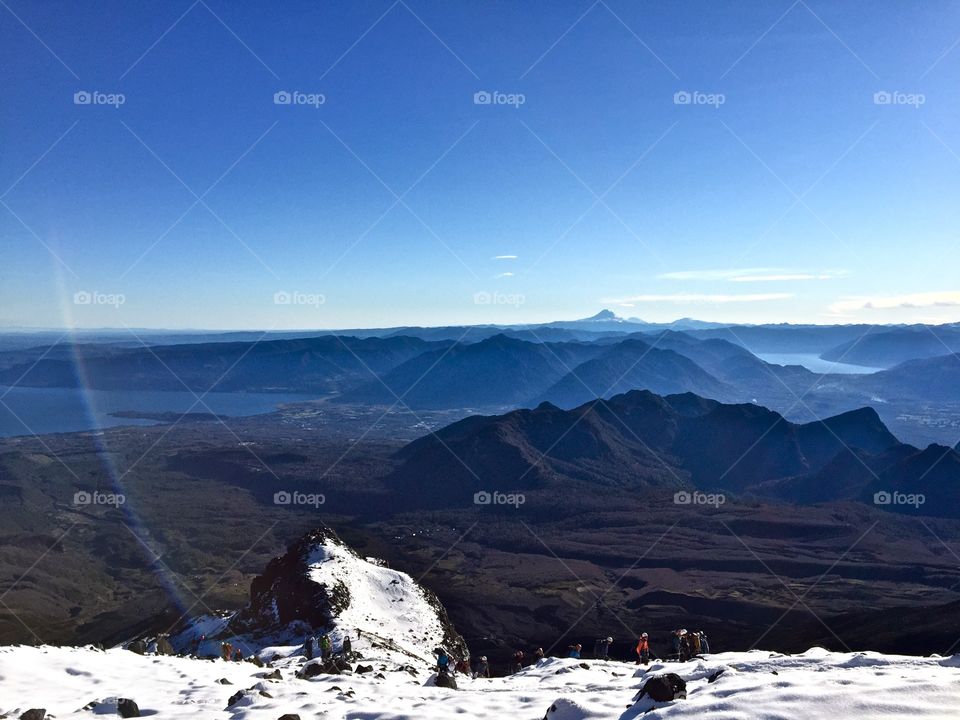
(799, 198)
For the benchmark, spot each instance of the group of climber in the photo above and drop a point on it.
(687, 644)
(447, 664)
(322, 647)
(228, 652)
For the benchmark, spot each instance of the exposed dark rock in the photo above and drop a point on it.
(284, 593)
(127, 708)
(361, 669)
(138, 646)
(34, 714)
(445, 681)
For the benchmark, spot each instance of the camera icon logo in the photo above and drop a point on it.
(282, 298)
(682, 97)
(682, 497)
(482, 97)
(282, 498)
(82, 497)
(882, 97)
(882, 498)
(482, 498)
(82, 97)
(282, 97)
(82, 297)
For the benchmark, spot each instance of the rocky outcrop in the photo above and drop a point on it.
(285, 593)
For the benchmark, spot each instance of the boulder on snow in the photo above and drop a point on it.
(361, 669)
(34, 714)
(164, 647)
(275, 675)
(664, 688)
(138, 646)
(289, 716)
(445, 681)
(127, 708)
(331, 666)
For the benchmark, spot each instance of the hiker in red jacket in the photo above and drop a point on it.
(643, 649)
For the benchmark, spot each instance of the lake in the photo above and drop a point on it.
(49, 410)
(813, 362)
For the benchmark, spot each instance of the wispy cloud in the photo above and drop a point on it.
(945, 298)
(692, 298)
(753, 275)
(505, 257)
(503, 275)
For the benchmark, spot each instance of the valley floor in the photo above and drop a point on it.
(755, 685)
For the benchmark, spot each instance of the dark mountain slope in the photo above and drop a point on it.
(634, 365)
(893, 346)
(496, 372)
(932, 378)
(636, 442)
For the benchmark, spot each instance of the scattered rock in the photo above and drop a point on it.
(289, 716)
(127, 708)
(713, 677)
(164, 647)
(224, 681)
(361, 669)
(34, 714)
(236, 697)
(664, 688)
(275, 675)
(445, 681)
(138, 646)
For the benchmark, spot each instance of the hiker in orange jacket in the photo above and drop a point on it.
(643, 649)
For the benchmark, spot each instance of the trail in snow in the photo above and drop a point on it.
(755, 686)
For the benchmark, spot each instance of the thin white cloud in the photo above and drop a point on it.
(945, 298)
(505, 257)
(503, 275)
(700, 298)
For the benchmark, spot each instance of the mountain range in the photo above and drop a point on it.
(639, 442)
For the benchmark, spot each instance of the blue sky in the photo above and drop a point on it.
(728, 161)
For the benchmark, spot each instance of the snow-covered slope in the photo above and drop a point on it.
(753, 686)
(320, 585)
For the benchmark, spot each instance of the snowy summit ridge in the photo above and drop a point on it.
(321, 585)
